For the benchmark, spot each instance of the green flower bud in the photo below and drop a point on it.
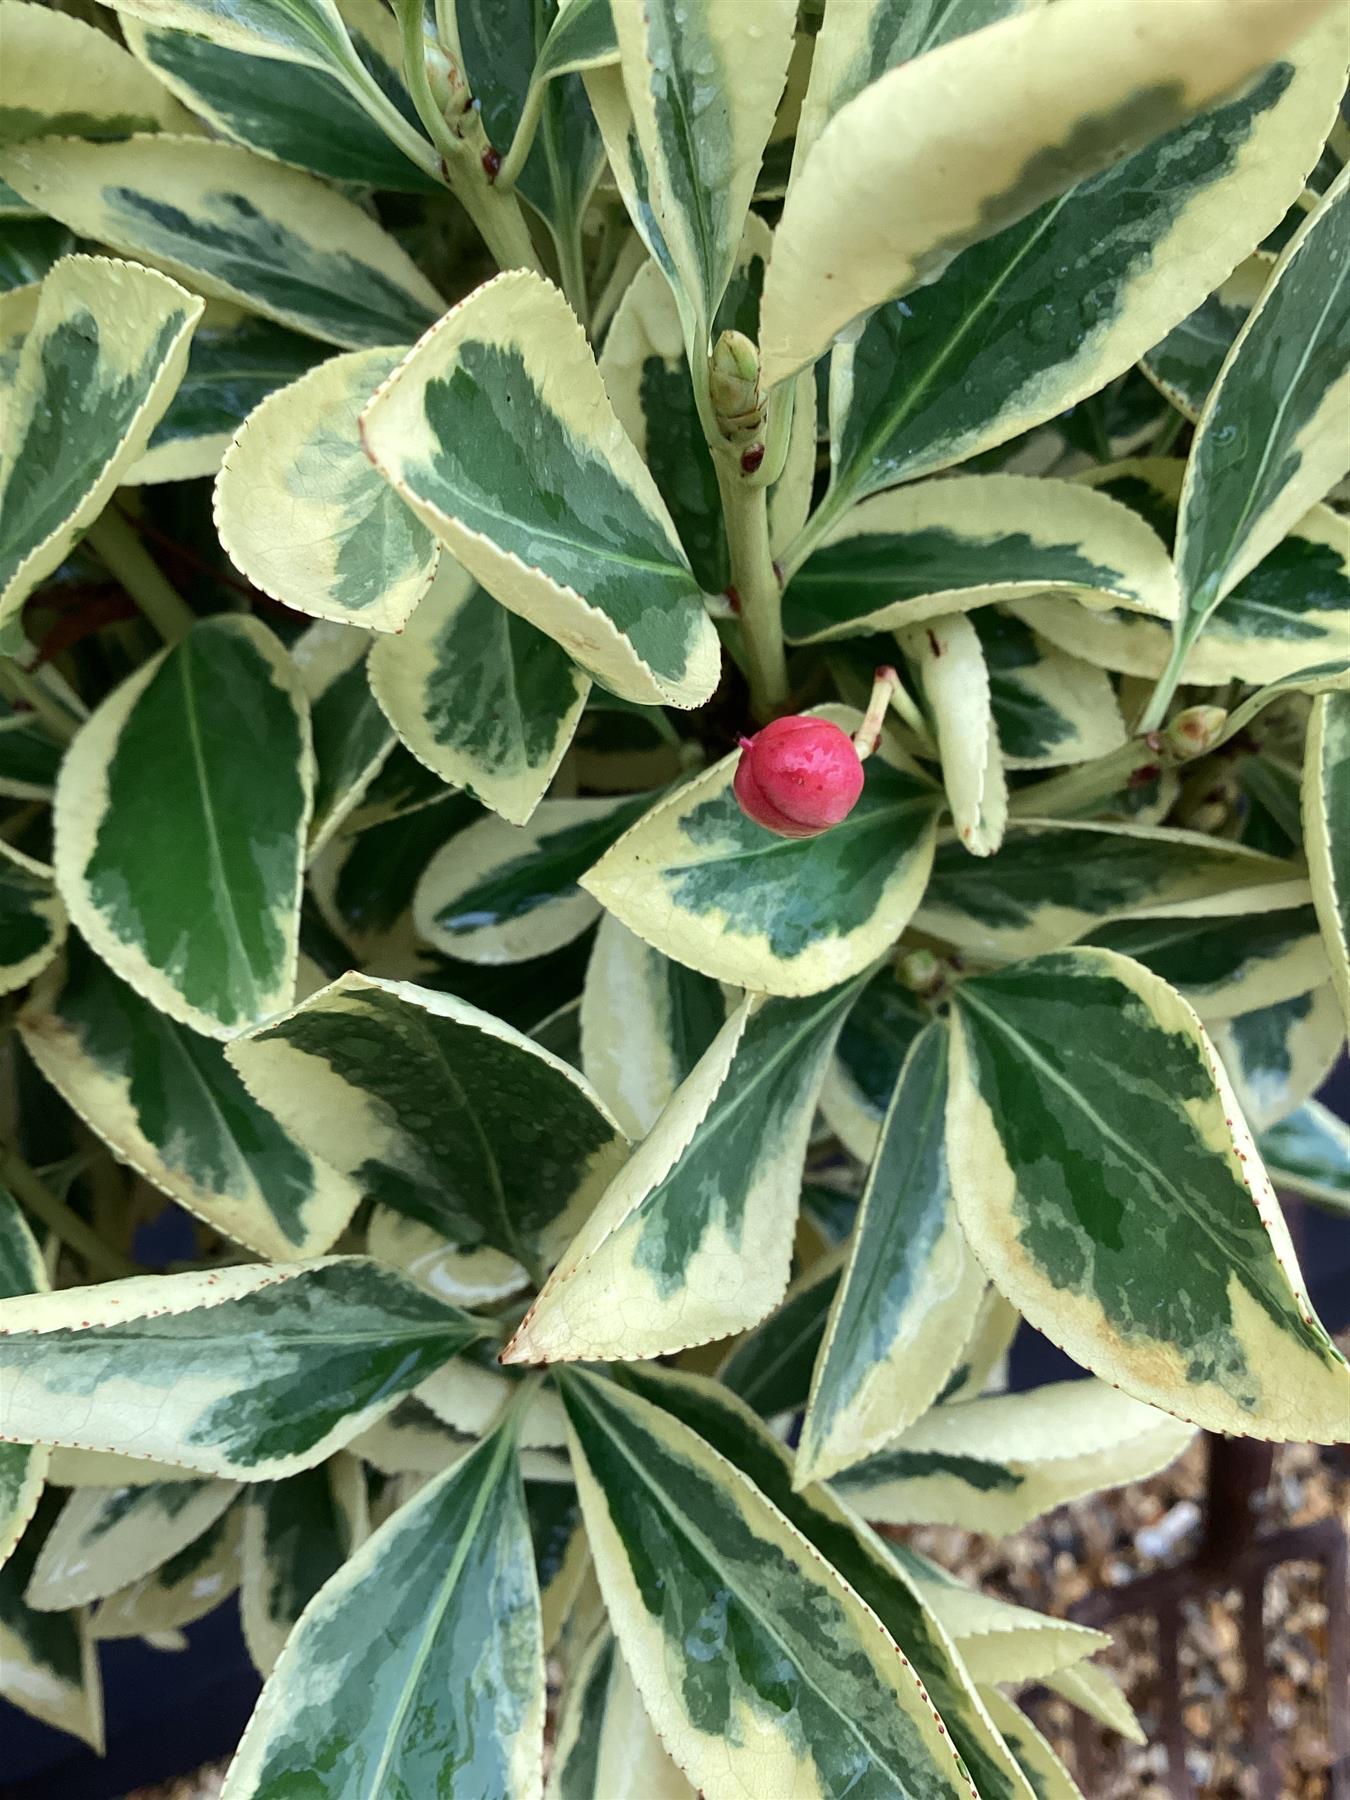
(733, 382)
(1195, 731)
(921, 972)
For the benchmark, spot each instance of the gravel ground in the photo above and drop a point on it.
(1107, 1541)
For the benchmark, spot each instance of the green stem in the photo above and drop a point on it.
(60, 1218)
(21, 685)
(523, 141)
(372, 99)
(746, 513)
(117, 545)
(495, 214)
(1077, 790)
(1165, 687)
(447, 30)
(831, 509)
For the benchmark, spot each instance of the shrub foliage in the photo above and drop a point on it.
(601, 1219)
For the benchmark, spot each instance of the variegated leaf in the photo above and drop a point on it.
(647, 379)
(412, 1442)
(146, 838)
(1291, 612)
(308, 32)
(181, 1590)
(577, 540)
(467, 1277)
(27, 251)
(582, 36)
(1049, 708)
(421, 1656)
(1326, 830)
(1309, 1151)
(1047, 311)
(302, 512)
(954, 682)
(363, 882)
(65, 78)
(606, 1744)
(983, 1367)
(234, 363)
(860, 39)
(1038, 84)
(18, 309)
(712, 889)
(520, 61)
(73, 1468)
(997, 1640)
(107, 346)
(1098, 1693)
(105, 1538)
(732, 1566)
(1269, 442)
(994, 1464)
(1185, 364)
(32, 918)
(1224, 967)
(235, 225)
(23, 1467)
(478, 694)
(48, 1664)
(13, 206)
(562, 1561)
(703, 83)
(297, 1534)
(875, 1041)
(468, 1394)
(692, 1240)
(498, 892)
(1329, 677)
(439, 1110)
(645, 1022)
(770, 1367)
(855, 1554)
(952, 546)
(1046, 1774)
(302, 114)
(1051, 882)
(1278, 1056)
(352, 739)
(29, 756)
(250, 1372)
(910, 1293)
(166, 1101)
(1176, 1277)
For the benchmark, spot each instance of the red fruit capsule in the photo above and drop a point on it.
(798, 776)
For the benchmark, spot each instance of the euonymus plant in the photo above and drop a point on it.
(657, 854)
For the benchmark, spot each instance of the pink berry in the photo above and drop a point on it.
(798, 776)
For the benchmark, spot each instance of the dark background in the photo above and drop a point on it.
(170, 1712)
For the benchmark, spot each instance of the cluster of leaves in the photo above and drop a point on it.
(559, 1144)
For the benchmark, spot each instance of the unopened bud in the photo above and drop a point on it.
(733, 383)
(798, 777)
(921, 972)
(1194, 732)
